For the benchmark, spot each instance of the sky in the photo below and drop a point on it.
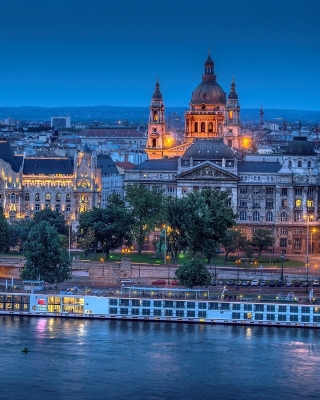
(110, 52)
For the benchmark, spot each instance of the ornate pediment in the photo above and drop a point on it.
(208, 171)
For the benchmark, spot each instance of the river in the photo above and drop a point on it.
(92, 359)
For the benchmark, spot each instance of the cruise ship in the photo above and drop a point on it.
(165, 304)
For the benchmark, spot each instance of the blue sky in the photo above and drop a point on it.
(110, 52)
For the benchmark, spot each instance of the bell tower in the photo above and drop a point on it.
(232, 119)
(156, 126)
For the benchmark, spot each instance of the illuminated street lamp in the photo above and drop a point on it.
(238, 264)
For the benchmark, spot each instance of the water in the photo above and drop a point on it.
(82, 359)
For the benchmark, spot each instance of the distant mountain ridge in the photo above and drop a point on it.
(139, 115)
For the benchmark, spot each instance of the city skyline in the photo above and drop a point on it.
(111, 53)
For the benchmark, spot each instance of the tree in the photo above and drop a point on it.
(4, 233)
(176, 218)
(147, 207)
(45, 259)
(209, 216)
(19, 231)
(54, 218)
(109, 227)
(193, 273)
(233, 241)
(262, 239)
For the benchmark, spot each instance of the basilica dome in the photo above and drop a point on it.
(300, 146)
(209, 91)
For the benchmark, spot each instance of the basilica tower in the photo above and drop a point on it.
(232, 119)
(156, 126)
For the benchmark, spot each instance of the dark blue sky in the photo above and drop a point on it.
(110, 52)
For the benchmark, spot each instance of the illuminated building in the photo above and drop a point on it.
(31, 184)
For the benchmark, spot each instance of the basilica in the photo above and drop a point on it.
(278, 192)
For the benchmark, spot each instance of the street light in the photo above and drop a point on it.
(69, 239)
(238, 264)
(165, 245)
(282, 259)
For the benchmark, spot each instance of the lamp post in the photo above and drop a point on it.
(307, 249)
(238, 264)
(165, 245)
(282, 259)
(69, 239)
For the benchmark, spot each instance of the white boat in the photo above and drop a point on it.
(165, 304)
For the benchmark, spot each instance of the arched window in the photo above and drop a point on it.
(27, 197)
(256, 216)
(203, 127)
(196, 126)
(68, 208)
(210, 127)
(299, 164)
(68, 197)
(290, 163)
(284, 217)
(269, 216)
(37, 197)
(13, 198)
(48, 197)
(58, 208)
(203, 107)
(243, 216)
(155, 115)
(298, 203)
(309, 164)
(58, 197)
(230, 143)
(154, 142)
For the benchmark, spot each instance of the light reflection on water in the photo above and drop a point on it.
(86, 359)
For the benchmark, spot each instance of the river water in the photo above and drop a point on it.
(92, 359)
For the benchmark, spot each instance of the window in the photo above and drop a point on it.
(299, 164)
(27, 198)
(309, 164)
(135, 311)
(13, 198)
(257, 190)
(243, 203)
(168, 313)
(170, 189)
(283, 231)
(48, 197)
(243, 216)
(297, 216)
(157, 312)
(269, 216)
(255, 203)
(196, 126)
(191, 314)
(305, 318)
(310, 203)
(290, 164)
(58, 197)
(256, 216)
(203, 127)
(202, 314)
(271, 317)
(269, 190)
(269, 202)
(284, 191)
(68, 208)
(243, 190)
(310, 191)
(283, 242)
(298, 231)
(298, 191)
(282, 317)
(146, 311)
(37, 197)
(284, 203)
(68, 197)
(298, 203)
(297, 244)
(37, 207)
(235, 315)
(282, 308)
(210, 127)
(284, 217)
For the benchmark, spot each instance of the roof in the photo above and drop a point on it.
(300, 145)
(112, 133)
(7, 156)
(158, 165)
(208, 149)
(47, 166)
(106, 164)
(125, 164)
(260, 167)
